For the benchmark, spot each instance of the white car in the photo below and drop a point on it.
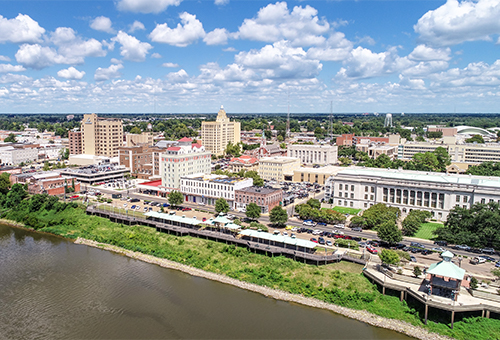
(242, 210)
(294, 229)
(285, 233)
(316, 232)
(340, 226)
(309, 224)
(201, 203)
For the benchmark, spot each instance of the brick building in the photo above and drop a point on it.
(265, 198)
(143, 160)
(75, 142)
(46, 182)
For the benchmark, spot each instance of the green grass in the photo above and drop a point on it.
(345, 210)
(339, 283)
(426, 230)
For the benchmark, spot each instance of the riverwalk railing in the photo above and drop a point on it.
(220, 236)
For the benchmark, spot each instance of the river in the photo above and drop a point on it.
(54, 289)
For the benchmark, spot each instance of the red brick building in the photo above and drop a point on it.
(143, 160)
(265, 198)
(75, 142)
(47, 182)
(349, 139)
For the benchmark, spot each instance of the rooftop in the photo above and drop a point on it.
(215, 178)
(279, 159)
(435, 177)
(259, 190)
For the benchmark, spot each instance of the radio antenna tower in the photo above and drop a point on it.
(330, 123)
(288, 118)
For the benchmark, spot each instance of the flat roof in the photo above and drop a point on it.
(278, 238)
(152, 183)
(435, 177)
(259, 190)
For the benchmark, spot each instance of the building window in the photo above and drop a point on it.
(366, 196)
(373, 190)
(340, 186)
(352, 187)
(458, 198)
(366, 205)
(366, 189)
(372, 197)
(352, 204)
(483, 201)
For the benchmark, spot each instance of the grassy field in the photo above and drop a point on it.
(345, 210)
(426, 230)
(340, 283)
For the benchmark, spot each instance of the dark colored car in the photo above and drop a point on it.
(488, 251)
(488, 258)
(133, 200)
(441, 243)
(322, 223)
(415, 250)
(357, 229)
(321, 240)
(426, 252)
(413, 258)
(166, 205)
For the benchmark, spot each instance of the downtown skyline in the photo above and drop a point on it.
(174, 56)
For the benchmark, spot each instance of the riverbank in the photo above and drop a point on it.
(360, 315)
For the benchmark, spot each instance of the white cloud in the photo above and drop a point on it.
(221, 2)
(229, 49)
(73, 48)
(116, 61)
(337, 48)
(146, 6)
(280, 61)
(113, 71)
(425, 68)
(425, 53)
(180, 76)
(170, 65)
(475, 74)
(4, 68)
(38, 57)
(14, 78)
(183, 35)
(217, 37)
(413, 84)
(102, 24)
(4, 58)
(456, 22)
(274, 22)
(71, 73)
(363, 63)
(137, 25)
(132, 48)
(22, 29)
(156, 55)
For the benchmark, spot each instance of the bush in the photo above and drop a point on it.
(473, 283)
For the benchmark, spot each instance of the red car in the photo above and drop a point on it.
(186, 209)
(204, 219)
(74, 196)
(371, 250)
(338, 236)
(313, 240)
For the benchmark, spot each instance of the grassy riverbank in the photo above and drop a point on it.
(341, 283)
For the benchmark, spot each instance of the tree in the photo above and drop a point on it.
(388, 256)
(4, 183)
(278, 216)
(221, 205)
(136, 130)
(473, 283)
(417, 271)
(410, 224)
(253, 211)
(64, 153)
(475, 139)
(379, 214)
(233, 149)
(11, 138)
(314, 203)
(283, 146)
(345, 161)
(175, 198)
(15, 196)
(268, 134)
(46, 166)
(389, 232)
(434, 134)
(257, 180)
(280, 138)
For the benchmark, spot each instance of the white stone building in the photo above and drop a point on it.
(183, 159)
(16, 154)
(201, 188)
(275, 168)
(314, 154)
(437, 193)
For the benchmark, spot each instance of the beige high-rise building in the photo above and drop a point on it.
(101, 136)
(216, 135)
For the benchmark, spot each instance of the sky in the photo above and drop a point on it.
(188, 56)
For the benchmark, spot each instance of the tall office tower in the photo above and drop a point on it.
(216, 135)
(101, 136)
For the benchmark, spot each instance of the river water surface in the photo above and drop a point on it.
(51, 288)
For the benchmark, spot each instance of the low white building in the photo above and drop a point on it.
(206, 189)
(437, 193)
(276, 168)
(17, 154)
(314, 154)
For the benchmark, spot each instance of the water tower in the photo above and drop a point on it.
(388, 120)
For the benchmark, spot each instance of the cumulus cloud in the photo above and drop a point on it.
(363, 63)
(456, 22)
(4, 58)
(474, 74)
(187, 32)
(425, 68)
(218, 36)
(229, 49)
(221, 2)
(280, 61)
(14, 78)
(132, 48)
(425, 53)
(137, 25)
(274, 22)
(4, 68)
(180, 76)
(71, 73)
(337, 48)
(156, 55)
(231, 73)
(38, 57)
(170, 65)
(21, 29)
(102, 24)
(146, 6)
(111, 72)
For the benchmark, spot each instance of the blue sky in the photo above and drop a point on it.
(175, 56)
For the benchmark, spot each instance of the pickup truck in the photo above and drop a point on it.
(477, 260)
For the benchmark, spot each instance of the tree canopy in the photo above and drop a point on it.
(388, 256)
(11, 138)
(412, 222)
(221, 205)
(278, 216)
(389, 232)
(478, 226)
(175, 198)
(377, 215)
(475, 139)
(253, 211)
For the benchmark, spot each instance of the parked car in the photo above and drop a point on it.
(329, 243)
(426, 252)
(441, 243)
(488, 251)
(186, 209)
(316, 232)
(201, 203)
(312, 239)
(417, 245)
(357, 229)
(321, 240)
(165, 205)
(462, 247)
(413, 258)
(322, 223)
(497, 264)
(438, 249)
(477, 260)
(371, 250)
(488, 258)
(309, 224)
(133, 207)
(133, 200)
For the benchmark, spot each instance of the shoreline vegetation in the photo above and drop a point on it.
(338, 285)
(360, 315)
